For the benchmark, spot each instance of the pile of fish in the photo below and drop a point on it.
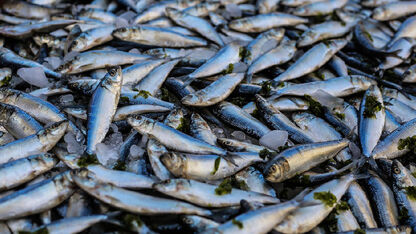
(205, 116)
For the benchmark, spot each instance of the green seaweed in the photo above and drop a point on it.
(132, 221)
(266, 154)
(184, 126)
(372, 106)
(228, 70)
(359, 231)
(87, 159)
(216, 165)
(408, 143)
(238, 224)
(5, 81)
(367, 34)
(340, 115)
(240, 184)
(125, 99)
(142, 93)
(266, 88)
(244, 53)
(315, 107)
(403, 214)
(327, 198)
(224, 188)
(411, 192)
(120, 166)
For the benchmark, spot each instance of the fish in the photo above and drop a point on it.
(105, 97)
(207, 195)
(309, 61)
(372, 119)
(177, 140)
(136, 202)
(301, 158)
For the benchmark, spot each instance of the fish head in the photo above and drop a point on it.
(401, 175)
(52, 133)
(113, 77)
(84, 178)
(380, 13)
(66, 67)
(141, 124)
(79, 44)
(173, 162)
(172, 12)
(48, 159)
(190, 99)
(277, 170)
(125, 32)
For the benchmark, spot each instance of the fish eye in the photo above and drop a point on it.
(396, 170)
(75, 42)
(123, 29)
(112, 72)
(187, 221)
(273, 169)
(61, 67)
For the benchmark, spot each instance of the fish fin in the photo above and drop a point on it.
(249, 78)
(229, 159)
(302, 194)
(187, 80)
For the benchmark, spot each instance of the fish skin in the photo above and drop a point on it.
(45, 195)
(176, 140)
(132, 201)
(204, 195)
(95, 59)
(306, 218)
(264, 22)
(202, 167)
(279, 121)
(8, 57)
(17, 172)
(196, 24)
(382, 199)
(313, 59)
(238, 118)
(106, 97)
(153, 36)
(40, 142)
(360, 206)
(17, 122)
(301, 158)
(216, 92)
(370, 129)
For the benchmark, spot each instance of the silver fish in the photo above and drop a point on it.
(216, 92)
(17, 172)
(40, 142)
(194, 23)
(301, 158)
(176, 140)
(44, 196)
(313, 59)
(17, 122)
(372, 119)
(154, 36)
(240, 119)
(389, 146)
(263, 22)
(154, 80)
(133, 201)
(95, 59)
(205, 195)
(105, 97)
(207, 167)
